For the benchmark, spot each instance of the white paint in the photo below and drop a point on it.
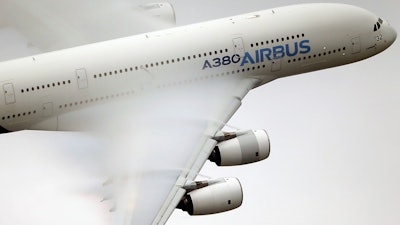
(283, 120)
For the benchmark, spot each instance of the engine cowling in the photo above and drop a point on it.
(216, 198)
(250, 147)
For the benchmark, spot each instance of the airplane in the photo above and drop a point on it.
(116, 132)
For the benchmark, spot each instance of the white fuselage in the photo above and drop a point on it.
(265, 45)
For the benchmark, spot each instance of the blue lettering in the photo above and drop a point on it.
(235, 58)
(257, 56)
(217, 62)
(279, 52)
(261, 55)
(296, 50)
(304, 45)
(226, 60)
(265, 52)
(247, 59)
(206, 65)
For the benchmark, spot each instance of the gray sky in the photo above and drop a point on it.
(334, 136)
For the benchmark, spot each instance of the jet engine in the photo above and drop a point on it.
(212, 196)
(240, 148)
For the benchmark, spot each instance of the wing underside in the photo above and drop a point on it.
(200, 155)
(131, 171)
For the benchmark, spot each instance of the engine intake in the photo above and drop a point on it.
(248, 147)
(222, 196)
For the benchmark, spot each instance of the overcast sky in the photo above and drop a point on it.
(334, 136)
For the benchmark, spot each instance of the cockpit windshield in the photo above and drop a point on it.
(378, 24)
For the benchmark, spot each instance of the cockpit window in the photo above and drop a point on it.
(378, 24)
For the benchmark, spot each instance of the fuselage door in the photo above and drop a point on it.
(9, 93)
(276, 65)
(356, 43)
(239, 46)
(81, 78)
(48, 109)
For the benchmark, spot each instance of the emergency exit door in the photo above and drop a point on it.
(356, 43)
(82, 79)
(9, 93)
(239, 46)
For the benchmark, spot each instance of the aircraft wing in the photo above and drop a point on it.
(132, 171)
(52, 25)
(226, 106)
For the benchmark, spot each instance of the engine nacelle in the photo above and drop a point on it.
(216, 198)
(252, 146)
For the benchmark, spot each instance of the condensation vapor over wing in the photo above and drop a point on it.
(53, 25)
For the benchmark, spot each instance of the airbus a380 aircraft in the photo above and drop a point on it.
(148, 110)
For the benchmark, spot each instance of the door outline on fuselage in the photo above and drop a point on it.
(47, 109)
(356, 44)
(276, 65)
(9, 93)
(81, 77)
(238, 45)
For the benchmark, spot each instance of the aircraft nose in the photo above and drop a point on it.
(390, 34)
